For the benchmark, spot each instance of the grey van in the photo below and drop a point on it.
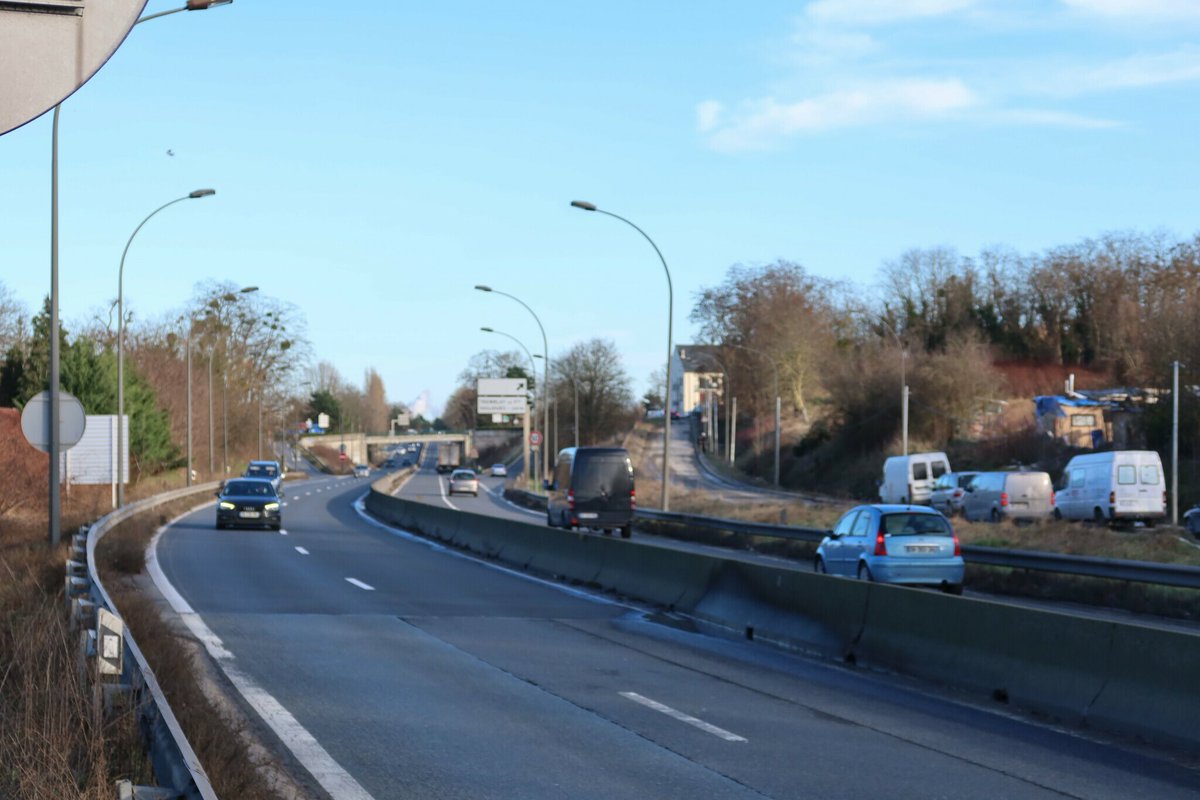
(592, 488)
(1025, 496)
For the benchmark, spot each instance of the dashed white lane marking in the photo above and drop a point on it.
(297, 497)
(282, 532)
(285, 504)
(307, 750)
(360, 584)
(308, 494)
(682, 717)
(301, 551)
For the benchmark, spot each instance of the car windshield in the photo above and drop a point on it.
(260, 471)
(249, 489)
(462, 476)
(909, 524)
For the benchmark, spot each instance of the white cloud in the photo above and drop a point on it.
(871, 12)
(1179, 66)
(1139, 10)
(1047, 118)
(708, 114)
(763, 122)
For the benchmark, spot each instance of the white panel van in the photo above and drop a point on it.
(910, 478)
(1118, 485)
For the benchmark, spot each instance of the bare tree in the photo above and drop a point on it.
(592, 369)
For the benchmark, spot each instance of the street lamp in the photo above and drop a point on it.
(198, 193)
(666, 495)
(545, 373)
(53, 377)
(192, 5)
(775, 367)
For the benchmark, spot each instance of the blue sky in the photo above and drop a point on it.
(374, 161)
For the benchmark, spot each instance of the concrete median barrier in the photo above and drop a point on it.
(1117, 676)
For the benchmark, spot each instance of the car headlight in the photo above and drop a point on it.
(271, 507)
(227, 506)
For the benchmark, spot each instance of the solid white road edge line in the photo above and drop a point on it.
(682, 717)
(301, 551)
(442, 489)
(499, 496)
(365, 586)
(307, 750)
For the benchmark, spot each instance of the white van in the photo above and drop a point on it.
(910, 478)
(1118, 485)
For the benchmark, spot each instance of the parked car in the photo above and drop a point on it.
(948, 492)
(904, 544)
(1024, 496)
(362, 471)
(1191, 520)
(593, 487)
(248, 502)
(499, 471)
(1116, 485)
(463, 481)
(270, 470)
(910, 478)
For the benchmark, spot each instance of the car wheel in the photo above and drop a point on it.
(1150, 523)
(995, 516)
(277, 526)
(1098, 516)
(220, 526)
(819, 566)
(606, 531)
(626, 531)
(864, 573)
(549, 520)
(1058, 515)
(955, 589)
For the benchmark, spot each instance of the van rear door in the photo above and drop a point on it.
(603, 486)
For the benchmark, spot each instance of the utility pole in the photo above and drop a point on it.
(1175, 444)
(733, 432)
(904, 418)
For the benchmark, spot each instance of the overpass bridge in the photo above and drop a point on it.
(359, 447)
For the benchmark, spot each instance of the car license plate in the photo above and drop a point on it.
(249, 515)
(921, 548)
(588, 515)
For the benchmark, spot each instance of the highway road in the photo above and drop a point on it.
(384, 666)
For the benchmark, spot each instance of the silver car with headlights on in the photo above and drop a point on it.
(912, 545)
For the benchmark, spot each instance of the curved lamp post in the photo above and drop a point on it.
(666, 493)
(121, 340)
(545, 375)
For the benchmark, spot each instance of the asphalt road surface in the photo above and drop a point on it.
(389, 667)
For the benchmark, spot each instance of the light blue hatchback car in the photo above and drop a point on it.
(912, 545)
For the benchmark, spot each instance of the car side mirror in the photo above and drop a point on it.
(833, 534)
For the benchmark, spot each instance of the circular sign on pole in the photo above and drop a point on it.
(535, 438)
(35, 421)
(52, 47)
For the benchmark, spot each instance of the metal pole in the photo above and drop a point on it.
(260, 424)
(733, 431)
(1175, 444)
(904, 418)
(212, 436)
(575, 384)
(778, 406)
(54, 499)
(189, 402)
(525, 463)
(224, 427)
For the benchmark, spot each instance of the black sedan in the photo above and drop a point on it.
(248, 502)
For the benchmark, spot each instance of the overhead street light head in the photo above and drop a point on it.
(201, 5)
(248, 289)
(487, 330)
(202, 193)
(538, 355)
(484, 288)
(585, 205)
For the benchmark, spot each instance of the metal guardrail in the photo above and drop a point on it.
(1177, 575)
(175, 763)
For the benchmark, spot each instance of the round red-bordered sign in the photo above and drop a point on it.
(535, 438)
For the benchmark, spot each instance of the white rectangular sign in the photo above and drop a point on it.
(502, 387)
(488, 404)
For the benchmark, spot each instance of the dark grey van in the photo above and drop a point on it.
(592, 488)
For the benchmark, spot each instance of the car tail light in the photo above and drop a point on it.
(880, 544)
(957, 544)
(633, 499)
(571, 499)
(958, 493)
(1003, 499)
(1052, 499)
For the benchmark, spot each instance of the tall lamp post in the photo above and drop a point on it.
(198, 193)
(545, 373)
(53, 377)
(778, 402)
(666, 492)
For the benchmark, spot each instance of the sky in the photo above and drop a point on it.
(373, 162)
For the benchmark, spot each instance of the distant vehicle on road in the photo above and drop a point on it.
(463, 481)
(270, 470)
(1024, 496)
(248, 502)
(499, 471)
(1191, 520)
(449, 455)
(910, 478)
(902, 544)
(362, 471)
(1120, 485)
(948, 492)
(593, 487)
